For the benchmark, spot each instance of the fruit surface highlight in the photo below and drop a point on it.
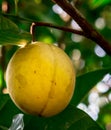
(40, 79)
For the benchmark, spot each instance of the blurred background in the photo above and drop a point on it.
(86, 55)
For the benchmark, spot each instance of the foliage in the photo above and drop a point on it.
(69, 119)
(90, 61)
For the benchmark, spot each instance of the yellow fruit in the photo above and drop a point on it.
(40, 79)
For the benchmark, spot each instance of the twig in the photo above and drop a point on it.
(35, 24)
(89, 31)
(60, 28)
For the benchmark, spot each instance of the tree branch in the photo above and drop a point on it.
(89, 31)
(35, 24)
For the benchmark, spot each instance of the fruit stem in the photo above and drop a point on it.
(87, 31)
(32, 31)
(16, 7)
(36, 24)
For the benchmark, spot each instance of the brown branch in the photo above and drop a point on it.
(35, 23)
(89, 31)
(66, 29)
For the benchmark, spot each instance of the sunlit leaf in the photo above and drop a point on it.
(86, 82)
(1, 78)
(14, 38)
(16, 1)
(7, 24)
(11, 34)
(105, 114)
(98, 3)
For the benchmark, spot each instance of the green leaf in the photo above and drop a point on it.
(1, 78)
(11, 34)
(98, 3)
(7, 24)
(86, 82)
(9, 37)
(7, 110)
(70, 119)
(3, 128)
(3, 100)
(16, 6)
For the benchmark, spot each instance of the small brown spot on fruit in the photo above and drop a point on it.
(34, 71)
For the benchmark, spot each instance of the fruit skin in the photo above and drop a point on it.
(40, 79)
